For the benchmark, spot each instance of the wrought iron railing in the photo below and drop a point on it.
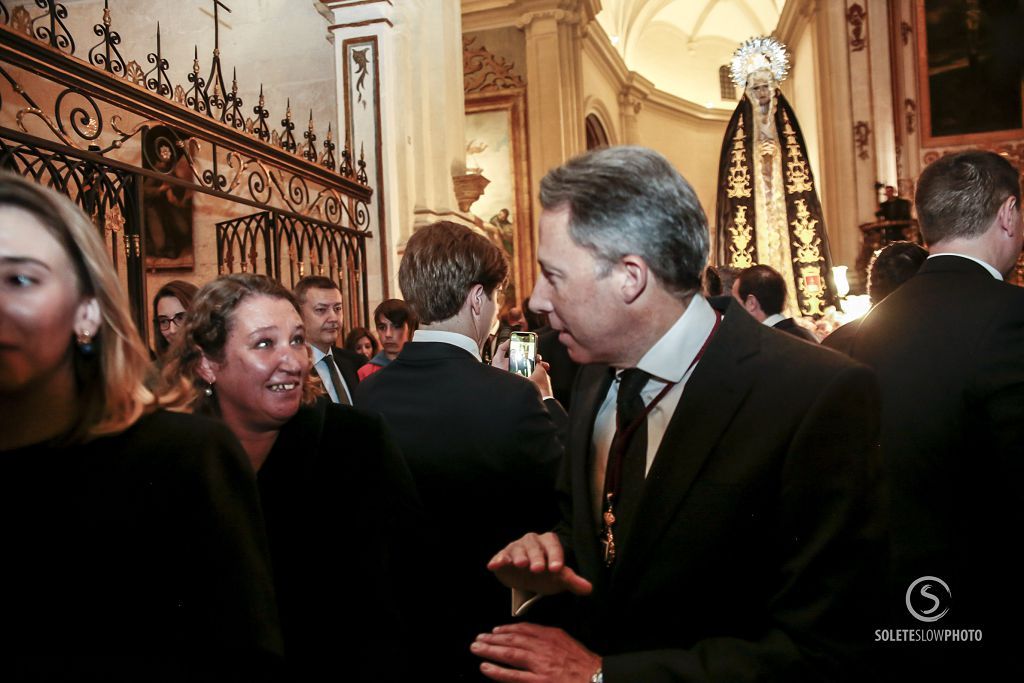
(288, 248)
(86, 127)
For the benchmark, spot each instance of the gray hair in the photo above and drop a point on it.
(630, 200)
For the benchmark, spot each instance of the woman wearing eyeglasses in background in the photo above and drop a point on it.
(133, 544)
(170, 305)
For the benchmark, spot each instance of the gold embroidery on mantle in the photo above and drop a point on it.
(742, 252)
(739, 175)
(796, 166)
(812, 290)
(804, 230)
(810, 284)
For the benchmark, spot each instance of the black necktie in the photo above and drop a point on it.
(339, 386)
(629, 408)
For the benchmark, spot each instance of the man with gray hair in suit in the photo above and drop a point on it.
(719, 517)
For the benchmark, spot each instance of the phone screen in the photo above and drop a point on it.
(522, 353)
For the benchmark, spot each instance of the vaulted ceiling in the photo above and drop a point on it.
(680, 44)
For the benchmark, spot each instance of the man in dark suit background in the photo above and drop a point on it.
(948, 347)
(762, 292)
(322, 310)
(480, 442)
(729, 468)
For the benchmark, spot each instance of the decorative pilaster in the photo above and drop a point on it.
(395, 78)
(362, 34)
(554, 86)
(632, 96)
(904, 89)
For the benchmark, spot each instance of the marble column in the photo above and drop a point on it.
(399, 69)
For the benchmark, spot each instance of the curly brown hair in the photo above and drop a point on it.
(207, 326)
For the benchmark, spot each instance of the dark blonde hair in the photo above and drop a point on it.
(207, 326)
(110, 383)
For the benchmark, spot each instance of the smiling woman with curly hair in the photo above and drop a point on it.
(337, 497)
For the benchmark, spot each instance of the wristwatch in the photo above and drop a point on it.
(598, 676)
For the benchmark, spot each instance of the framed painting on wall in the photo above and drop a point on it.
(970, 59)
(495, 132)
(167, 207)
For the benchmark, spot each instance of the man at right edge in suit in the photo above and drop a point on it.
(727, 528)
(948, 347)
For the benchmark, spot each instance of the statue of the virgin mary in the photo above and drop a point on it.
(768, 209)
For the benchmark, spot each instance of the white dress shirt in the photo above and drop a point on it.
(453, 338)
(995, 273)
(670, 360)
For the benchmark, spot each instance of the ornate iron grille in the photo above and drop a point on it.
(79, 128)
(288, 248)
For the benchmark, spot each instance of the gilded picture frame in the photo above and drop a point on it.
(969, 83)
(496, 146)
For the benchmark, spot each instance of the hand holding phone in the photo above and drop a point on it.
(522, 353)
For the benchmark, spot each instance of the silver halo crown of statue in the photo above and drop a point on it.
(759, 54)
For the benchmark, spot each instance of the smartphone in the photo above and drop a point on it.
(522, 353)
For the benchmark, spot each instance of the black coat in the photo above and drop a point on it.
(756, 546)
(948, 346)
(342, 519)
(348, 363)
(137, 556)
(842, 336)
(484, 453)
(789, 325)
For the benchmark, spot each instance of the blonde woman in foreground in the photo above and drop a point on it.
(134, 547)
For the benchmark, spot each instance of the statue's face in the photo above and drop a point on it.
(761, 87)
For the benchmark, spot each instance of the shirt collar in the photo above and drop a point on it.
(774, 318)
(453, 338)
(318, 355)
(670, 357)
(992, 271)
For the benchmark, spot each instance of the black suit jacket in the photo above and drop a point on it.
(757, 543)
(563, 368)
(343, 521)
(948, 347)
(789, 325)
(484, 452)
(348, 363)
(842, 337)
(138, 556)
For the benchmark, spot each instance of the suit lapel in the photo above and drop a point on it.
(709, 402)
(592, 387)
